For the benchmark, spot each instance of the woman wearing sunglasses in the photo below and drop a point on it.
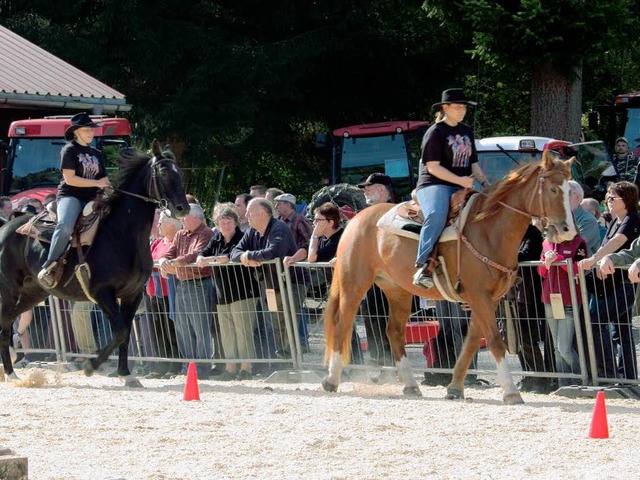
(614, 304)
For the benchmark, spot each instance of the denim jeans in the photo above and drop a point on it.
(562, 332)
(69, 209)
(434, 201)
(193, 320)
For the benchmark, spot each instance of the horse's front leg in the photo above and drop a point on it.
(495, 343)
(120, 317)
(332, 380)
(127, 311)
(455, 389)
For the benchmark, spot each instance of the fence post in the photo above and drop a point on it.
(588, 326)
(289, 311)
(576, 319)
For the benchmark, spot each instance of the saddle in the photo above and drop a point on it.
(42, 226)
(406, 220)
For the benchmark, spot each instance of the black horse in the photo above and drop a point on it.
(119, 259)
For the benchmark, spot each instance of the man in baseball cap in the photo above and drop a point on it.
(378, 188)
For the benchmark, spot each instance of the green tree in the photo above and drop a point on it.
(549, 40)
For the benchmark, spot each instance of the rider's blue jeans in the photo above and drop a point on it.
(434, 201)
(69, 209)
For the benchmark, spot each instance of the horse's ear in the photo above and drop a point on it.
(155, 149)
(547, 160)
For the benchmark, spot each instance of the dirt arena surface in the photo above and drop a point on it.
(73, 427)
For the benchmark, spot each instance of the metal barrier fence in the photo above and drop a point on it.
(271, 318)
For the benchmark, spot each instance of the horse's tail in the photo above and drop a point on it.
(334, 323)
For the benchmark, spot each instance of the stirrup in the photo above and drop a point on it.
(47, 276)
(423, 278)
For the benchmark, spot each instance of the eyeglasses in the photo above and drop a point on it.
(317, 220)
(613, 199)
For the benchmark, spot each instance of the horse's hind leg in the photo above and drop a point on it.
(7, 364)
(339, 316)
(347, 291)
(399, 311)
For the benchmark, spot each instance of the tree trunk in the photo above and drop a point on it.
(556, 104)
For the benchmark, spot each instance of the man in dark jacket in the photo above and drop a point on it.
(268, 239)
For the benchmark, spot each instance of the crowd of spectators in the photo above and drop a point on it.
(234, 311)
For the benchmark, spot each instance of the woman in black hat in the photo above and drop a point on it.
(83, 173)
(449, 162)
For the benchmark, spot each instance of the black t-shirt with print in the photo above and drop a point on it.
(453, 147)
(87, 163)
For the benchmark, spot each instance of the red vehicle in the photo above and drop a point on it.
(387, 147)
(32, 165)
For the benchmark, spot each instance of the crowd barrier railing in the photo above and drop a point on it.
(273, 319)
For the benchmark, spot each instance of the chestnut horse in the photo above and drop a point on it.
(494, 229)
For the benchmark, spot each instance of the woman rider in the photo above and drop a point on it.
(449, 162)
(83, 173)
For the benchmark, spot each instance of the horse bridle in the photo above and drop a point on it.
(544, 220)
(486, 260)
(153, 184)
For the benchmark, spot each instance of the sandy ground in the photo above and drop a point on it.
(74, 427)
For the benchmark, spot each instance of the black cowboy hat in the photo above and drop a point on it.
(454, 95)
(79, 120)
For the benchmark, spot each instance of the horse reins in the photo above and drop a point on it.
(153, 181)
(153, 185)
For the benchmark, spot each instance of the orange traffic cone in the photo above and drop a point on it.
(191, 390)
(599, 425)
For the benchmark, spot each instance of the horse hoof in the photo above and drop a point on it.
(412, 391)
(88, 367)
(329, 387)
(454, 394)
(131, 382)
(513, 399)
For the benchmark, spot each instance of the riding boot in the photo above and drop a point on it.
(47, 276)
(424, 276)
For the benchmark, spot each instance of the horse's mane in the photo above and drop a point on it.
(498, 192)
(130, 162)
